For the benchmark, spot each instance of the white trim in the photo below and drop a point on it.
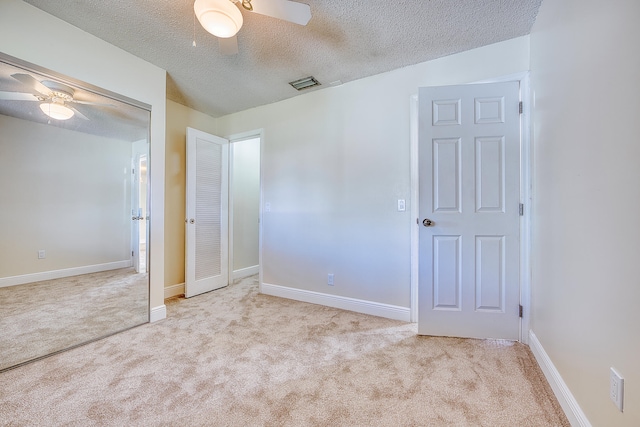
(526, 199)
(231, 224)
(335, 301)
(158, 313)
(174, 290)
(66, 272)
(245, 272)
(415, 231)
(569, 404)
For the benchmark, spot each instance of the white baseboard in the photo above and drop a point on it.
(569, 404)
(66, 272)
(174, 290)
(345, 303)
(245, 272)
(158, 313)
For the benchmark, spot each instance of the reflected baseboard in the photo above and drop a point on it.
(66, 272)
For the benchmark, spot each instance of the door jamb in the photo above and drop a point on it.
(525, 197)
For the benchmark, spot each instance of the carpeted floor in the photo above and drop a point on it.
(40, 318)
(234, 357)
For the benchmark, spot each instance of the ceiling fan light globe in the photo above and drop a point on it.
(219, 17)
(56, 111)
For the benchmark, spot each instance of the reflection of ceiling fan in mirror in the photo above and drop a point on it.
(56, 99)
(223, 18)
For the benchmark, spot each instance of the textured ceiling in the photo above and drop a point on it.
(344, 41)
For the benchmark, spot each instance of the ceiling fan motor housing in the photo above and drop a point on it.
(219, 17)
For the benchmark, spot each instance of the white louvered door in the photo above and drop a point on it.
(207, 213)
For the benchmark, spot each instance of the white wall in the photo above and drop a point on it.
(64, 192)
(585, 68)
(245, 194)
(335, 162)
(37, 37)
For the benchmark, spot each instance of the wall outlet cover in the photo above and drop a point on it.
(616, 388)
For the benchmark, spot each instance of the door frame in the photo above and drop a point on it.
(238, 137)
(525, 197)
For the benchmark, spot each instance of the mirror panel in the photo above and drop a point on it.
(73, 217)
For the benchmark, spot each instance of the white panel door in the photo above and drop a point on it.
(469, 191)
(207, 212)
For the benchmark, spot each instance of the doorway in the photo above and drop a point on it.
(244, 203)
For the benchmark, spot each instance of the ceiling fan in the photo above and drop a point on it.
(56, 99)
(223, 18)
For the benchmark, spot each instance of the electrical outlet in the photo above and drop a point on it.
(41, 254)
(330, 279)
(616, 388)
(401, 205)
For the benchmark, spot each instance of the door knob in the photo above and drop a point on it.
(427, 222)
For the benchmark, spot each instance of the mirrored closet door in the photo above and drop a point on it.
(74, 224)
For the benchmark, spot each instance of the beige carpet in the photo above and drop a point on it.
(234, 357)
(40, 318)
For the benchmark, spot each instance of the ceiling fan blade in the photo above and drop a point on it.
(298, 13)
(17, 96)
(32, 83)
(93, 103)
(228, 46)
(77, 113)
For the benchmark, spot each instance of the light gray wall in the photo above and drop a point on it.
(336, 161)
(245, 190)
(64, 192)
(585, 68)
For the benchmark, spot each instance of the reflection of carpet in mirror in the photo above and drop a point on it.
(235, 357)
(39, 318)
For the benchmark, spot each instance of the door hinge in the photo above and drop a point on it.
(520, 310)
(131, 253)
(418, 221)
(521, 209)
(520, 107)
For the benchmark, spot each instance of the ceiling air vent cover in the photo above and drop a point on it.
(305, 83)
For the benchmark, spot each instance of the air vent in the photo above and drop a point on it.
(305, 83)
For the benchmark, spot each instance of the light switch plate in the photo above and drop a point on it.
(402, 206)
(616, 388)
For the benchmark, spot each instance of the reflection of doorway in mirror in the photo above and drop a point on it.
(142, 203)
(139, 217)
